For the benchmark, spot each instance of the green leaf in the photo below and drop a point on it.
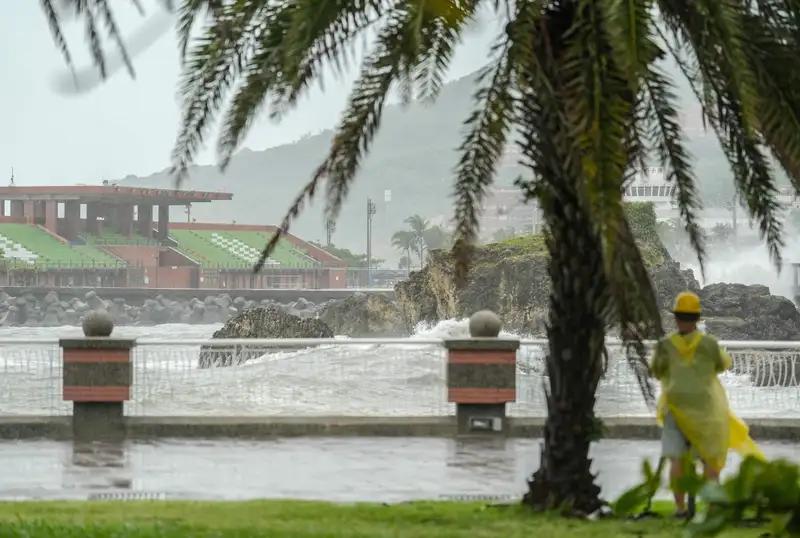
(634, 498)
(709, 526)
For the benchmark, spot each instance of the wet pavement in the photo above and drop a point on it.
(333, 469)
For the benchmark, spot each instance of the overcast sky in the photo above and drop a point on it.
(125, 126)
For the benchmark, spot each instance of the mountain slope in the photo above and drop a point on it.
(413, 156)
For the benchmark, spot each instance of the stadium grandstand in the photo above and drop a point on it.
(122, 236)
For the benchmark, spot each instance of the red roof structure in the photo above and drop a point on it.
(111, 193)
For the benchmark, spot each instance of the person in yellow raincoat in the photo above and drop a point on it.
(693, 407)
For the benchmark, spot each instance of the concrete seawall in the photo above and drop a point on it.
(60, 428)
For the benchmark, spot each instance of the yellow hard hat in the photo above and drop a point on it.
(687, 303)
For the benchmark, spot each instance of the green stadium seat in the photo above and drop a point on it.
(30, 245)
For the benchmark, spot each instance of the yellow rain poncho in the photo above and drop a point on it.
(687, 366)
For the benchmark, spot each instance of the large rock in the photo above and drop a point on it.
(508, 278)
(741, 312)
(362, 315)
(511, 279)
(268, 322)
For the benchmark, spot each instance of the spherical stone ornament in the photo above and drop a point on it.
(98, 323)
(484, 324)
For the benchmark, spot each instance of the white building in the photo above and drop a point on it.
(650, 185)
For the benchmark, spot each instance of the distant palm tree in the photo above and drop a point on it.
(405, 241)
(577, 85)
(404, 263)
(419, 226)
(437, 238)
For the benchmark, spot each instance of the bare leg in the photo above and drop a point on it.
(675, 473)
(710, 473)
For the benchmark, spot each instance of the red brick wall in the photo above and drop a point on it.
(140, 255)
(174, 277)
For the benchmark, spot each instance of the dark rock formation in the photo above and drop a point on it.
(740, 312)
(270, 322)
(363, 315)
(508, 278)
(511, 279)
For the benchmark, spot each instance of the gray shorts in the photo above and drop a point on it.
(674, 444)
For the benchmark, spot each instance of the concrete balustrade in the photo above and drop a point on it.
(97, 377)
(481, 376)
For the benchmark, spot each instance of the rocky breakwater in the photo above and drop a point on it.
(362, 315)
(740, 312)
(269, 322)
(510, 278)
(52, 310)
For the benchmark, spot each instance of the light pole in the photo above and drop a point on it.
(370, 213)
(330, 228)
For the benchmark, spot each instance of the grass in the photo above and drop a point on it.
(305, 519)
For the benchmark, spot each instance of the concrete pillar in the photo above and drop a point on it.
(17, 208)
(38, 211)
(97, 378)
(29, 211)
(51, 215)
(2, 208)
(72, 219)
(92, 213)
(125, 219)
(481, 377)
(163, 221)
(145, 222)
(110, 217)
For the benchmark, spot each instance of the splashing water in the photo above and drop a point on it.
(345, 380)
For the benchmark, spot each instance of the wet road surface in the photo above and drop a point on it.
(333, 469)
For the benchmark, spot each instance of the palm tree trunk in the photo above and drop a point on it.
(576, 333)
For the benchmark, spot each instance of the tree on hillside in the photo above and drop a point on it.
(421, 237)
(503, 234)
(405, 241)
(352, 259)
(419, 226)
(437, 238)
(578, 86)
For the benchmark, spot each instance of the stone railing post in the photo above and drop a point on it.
(97, 378)
(481, 376)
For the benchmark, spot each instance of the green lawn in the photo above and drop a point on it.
(294, 518)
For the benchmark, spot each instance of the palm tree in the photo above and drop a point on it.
(436, 238)
(579, 87)
(404, 241)
(419, 226)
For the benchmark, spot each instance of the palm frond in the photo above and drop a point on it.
(93, 13)
(774, 62)
(665, 129)
(104, 12)
(601, 98)
(289, 57)
(361, 119)
(704, 58)
(488, 128)
(439, 36)
(211, 71)
(54, 21)
(188, 13)
(628, 24)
